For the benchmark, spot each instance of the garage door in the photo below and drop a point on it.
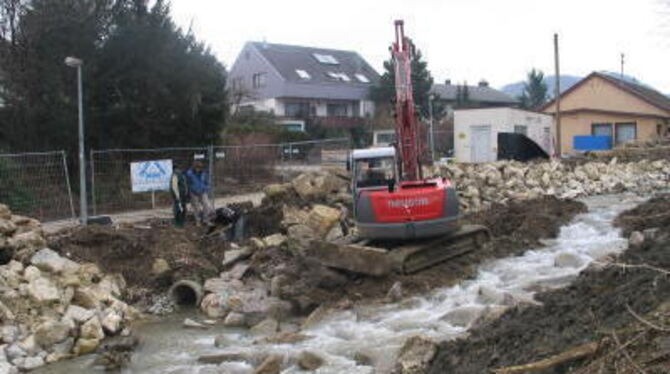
(481, 143)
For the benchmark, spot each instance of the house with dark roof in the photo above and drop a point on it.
(303, 84)
(605, 104)
(457, 96)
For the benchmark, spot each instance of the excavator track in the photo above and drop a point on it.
(361, 256)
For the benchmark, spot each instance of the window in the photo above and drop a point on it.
(336, 109)
(302, 74)
(362, 78)
(625, 132)
(384, 138)
(338, 76)
(325, 59)
(293, 126)
(374, 172)
(296, 109)
(521, 129)
(258, 80)
(601, 129)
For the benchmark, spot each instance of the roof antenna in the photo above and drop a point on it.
(622, 63)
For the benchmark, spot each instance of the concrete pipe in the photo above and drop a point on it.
(186, 292)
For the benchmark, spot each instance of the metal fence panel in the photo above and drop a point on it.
(233, 169)
(37, 185)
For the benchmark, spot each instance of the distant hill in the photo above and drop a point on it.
(515, 89)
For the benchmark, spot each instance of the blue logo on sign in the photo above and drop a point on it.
(152, 170)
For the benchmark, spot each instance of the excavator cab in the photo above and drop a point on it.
(374, 168)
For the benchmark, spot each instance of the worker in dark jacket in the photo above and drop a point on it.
(180, 196)
(198, 185)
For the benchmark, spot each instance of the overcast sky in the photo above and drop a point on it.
(464, 40)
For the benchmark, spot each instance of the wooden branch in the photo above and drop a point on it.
(645, 322)
(569, 355)
(601, 360)
(627, 355)
(632, 266)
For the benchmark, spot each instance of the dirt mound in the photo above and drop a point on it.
(653, 214)
(515, 227)
(590, 310)
(132, 250)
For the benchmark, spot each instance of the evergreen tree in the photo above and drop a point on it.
(422, 82)
(146, 82)
(534, 93)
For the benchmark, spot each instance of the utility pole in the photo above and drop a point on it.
(431, 97)
(622, 62)
(83, 203)
(557, 97)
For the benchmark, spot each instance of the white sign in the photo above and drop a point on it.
(151, 175)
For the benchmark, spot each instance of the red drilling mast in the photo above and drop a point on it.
(407, 128)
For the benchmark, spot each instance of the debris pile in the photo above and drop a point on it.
(51, 307)
(480, 185)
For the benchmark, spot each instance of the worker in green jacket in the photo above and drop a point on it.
(180, 196)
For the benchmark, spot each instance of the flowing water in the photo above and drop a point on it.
(378, 331)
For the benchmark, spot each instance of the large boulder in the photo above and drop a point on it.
(415, 355)
(5, 212)
(92, 329)
(7, 227)
(43, 290)
(322, 218)
(48, 260)
(310, 361)
(51, 332)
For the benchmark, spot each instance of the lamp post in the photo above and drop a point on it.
(83, 208)
(431, 138)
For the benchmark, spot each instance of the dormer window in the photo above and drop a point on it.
(325, 59)
(302, 74)
(362, 78)
(338, 76)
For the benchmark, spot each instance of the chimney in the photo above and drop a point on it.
(447, 82)
(483, 83)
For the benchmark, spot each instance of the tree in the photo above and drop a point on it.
(534, 92)
(422, 82)
(146, 82)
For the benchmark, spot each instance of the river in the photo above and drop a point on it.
(378, 331)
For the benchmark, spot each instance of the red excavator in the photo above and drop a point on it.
(404, 222)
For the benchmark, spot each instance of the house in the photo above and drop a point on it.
(476, 131)
(457, 96)
(303, 85)
(604, 104)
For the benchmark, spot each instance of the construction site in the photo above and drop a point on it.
(546, 251)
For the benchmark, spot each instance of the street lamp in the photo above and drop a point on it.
(431, 138)
(83, 209)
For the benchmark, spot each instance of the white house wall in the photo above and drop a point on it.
(500, 120)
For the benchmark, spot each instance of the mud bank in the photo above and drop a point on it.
(604, 306)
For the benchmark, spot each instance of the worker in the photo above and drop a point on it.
(198, 185)
(180, 196)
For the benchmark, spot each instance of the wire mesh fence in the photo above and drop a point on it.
(232, 169)
(36, 185)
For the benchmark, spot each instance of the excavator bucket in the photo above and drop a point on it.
(363, 257)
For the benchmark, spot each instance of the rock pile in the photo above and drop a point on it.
(480, 185)
(51, 307)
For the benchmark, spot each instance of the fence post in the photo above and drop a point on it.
(210, 151)
(67, 183)
(93, 195)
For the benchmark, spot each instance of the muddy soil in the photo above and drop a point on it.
(595, 308)
(131, 250)
(654, 213)
(515, 227)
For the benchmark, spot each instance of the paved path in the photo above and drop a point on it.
(142, 215)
